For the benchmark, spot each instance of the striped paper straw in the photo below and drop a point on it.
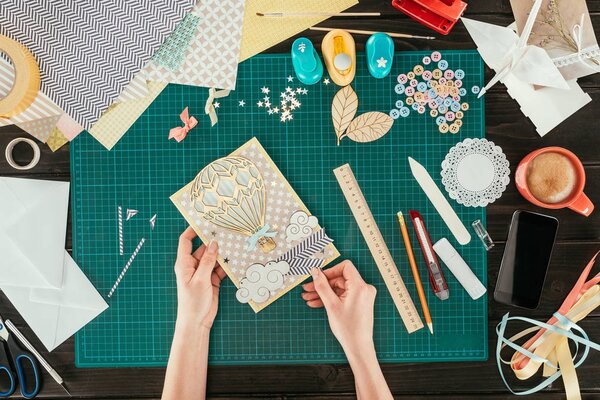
(120, 217)
(133, 256)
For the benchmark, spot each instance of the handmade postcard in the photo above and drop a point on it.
(268, 239)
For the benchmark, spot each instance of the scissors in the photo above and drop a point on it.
(12, 358)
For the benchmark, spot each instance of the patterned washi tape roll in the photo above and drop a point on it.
(9, 154)
(27, 82)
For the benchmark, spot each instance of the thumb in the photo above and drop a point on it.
(207, 263)
(323, 289)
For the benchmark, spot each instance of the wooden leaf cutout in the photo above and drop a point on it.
(369, 126)
(343, 109)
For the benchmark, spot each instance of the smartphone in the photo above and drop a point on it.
(526, 258)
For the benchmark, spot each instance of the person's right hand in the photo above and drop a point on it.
(349, 302)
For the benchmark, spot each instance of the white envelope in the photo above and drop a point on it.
(36, 273)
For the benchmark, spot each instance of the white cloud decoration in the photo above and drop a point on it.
(261, 280)
(301, 226)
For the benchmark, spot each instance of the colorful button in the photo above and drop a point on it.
(449, 74)
(455, 106)
(409, 101)
(437, 73)
(415, 106)
(402, 78)
(399, 104)
(395, 114)
(449, 116)
(426, 60)
(422, 87)
(413, 82)
(411, 75)
(409, 91)
(459, 74)
(454, 129)
(443, 109)
(421, 110)
(458, 83)
(404, 112)
(447, 102)
(418, 70)
(475, 89)
(459, 115)
(436, 56)
(442, 81)
(433, 113)
(462, 92)
(443, 65)
(458, 122)
(399, 88)
(464, 106)
(419, 97)
(444, 128)
(440, 120)
(427, 75)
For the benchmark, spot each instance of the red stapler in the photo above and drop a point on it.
(439, 15)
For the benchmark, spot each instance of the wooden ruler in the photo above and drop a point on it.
(379, 250)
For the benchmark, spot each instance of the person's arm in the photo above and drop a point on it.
(198, 281)
(349, 302)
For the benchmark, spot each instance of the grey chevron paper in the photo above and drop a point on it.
(88, 51)
(211, 59)
(301, 257)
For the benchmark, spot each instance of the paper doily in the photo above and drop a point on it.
(475, 172)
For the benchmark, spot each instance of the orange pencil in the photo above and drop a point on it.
(415, 271)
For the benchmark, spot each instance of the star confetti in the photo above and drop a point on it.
(242, 103)
(326, 81)
(288, 104)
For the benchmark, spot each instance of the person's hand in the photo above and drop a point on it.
(349, 302)
(199, 278)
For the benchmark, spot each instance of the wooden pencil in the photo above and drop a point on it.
(415, 271)
(318, 14)
(362, 32)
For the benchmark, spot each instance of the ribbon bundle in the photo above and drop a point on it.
(550, 344)
(300, 257)
(180, 132)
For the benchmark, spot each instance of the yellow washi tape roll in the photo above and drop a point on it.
(27, 78)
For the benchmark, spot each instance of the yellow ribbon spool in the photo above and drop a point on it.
(27, 78)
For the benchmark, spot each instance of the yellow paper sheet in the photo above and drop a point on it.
(260, 33)
(113, 124)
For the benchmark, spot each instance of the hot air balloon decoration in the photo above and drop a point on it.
(230, 193)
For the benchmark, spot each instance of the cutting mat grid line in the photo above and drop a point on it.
(144, 169)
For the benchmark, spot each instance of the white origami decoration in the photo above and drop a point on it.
(528, 72)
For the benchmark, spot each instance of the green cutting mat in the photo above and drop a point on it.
(144, 169)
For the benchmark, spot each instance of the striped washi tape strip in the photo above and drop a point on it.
(133, 256)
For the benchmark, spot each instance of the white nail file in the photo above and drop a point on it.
(459, 268)
(440, 203)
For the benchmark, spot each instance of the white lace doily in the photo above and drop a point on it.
(475, 172)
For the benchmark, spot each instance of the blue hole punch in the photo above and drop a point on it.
(306, 61)
(380, 54)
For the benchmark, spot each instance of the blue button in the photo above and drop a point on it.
(415, 106)
(404, 112)
(462, 92)
(475, 89)
(400, 104)
(422, 87)
(455, 106)
(443, 109)
(400, 88)
(394, 113)
(440, 120)
(447, 102)
(459, 74)
(443, 65)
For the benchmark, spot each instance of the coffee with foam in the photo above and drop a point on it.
(551, 178)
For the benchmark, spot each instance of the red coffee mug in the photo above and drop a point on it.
(577, 202)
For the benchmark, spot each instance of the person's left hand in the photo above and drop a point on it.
(199, 278)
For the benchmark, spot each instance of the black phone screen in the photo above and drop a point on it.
(526, 258)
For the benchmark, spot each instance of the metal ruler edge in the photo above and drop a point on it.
(378, 248)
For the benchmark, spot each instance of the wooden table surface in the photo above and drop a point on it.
(578, 240)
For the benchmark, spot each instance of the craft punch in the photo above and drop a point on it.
(439, 15)
(306, 61)
(380, 54)
(339, 52)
